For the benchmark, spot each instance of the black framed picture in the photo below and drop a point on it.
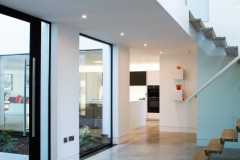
(8, 82)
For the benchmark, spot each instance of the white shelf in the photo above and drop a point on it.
(178, 74)
(177, 95)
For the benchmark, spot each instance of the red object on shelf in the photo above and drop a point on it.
(178, 88)
(178, 67)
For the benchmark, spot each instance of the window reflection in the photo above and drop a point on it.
(94, 99)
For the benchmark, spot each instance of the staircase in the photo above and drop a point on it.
(215, 146)
(209, 34)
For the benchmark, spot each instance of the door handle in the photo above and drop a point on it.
(33, 95)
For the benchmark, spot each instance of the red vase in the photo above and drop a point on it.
(178, 88)
(178, 67)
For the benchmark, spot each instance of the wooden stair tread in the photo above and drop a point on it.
(200, 155)
(220, 41)
(231, 51)
(208, 33)
(197, 24)
(238, 125)
(214, 146)
(229, 135)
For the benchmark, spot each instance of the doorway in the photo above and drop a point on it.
(24, 86)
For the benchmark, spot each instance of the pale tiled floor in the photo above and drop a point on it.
(148, 143)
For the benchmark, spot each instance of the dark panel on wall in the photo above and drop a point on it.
(138, 79)
(141, 78)
(133, 78)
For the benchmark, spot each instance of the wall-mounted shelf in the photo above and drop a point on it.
(177, 95)
(178, 74)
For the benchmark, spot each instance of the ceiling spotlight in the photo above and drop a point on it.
(237, 7)
(84, 16)
(160, 52)
(145, 45)
(122, 34)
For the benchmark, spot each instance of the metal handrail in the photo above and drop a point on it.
(212, 79)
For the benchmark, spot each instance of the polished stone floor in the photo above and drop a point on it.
(148, 143)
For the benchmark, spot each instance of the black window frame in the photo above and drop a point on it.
(100, 149)
(35, 52)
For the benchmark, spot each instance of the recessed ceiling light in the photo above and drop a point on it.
(97, 61)
(160, 52)
(142, 59)
(122, 34)
(84, 16)
(237, 7)
(145, 45)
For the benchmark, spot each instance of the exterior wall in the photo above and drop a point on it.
(64, 92)
(121, 69)
(173, 114)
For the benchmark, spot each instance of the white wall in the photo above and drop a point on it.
(173, 114)
(178, 10)
(144, 67)
(223, 17)
(121, 61)
(64, 92)
(199, 8)
(153, 77)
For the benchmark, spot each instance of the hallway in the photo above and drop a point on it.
(147, 143)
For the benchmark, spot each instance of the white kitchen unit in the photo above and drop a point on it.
(137, 114)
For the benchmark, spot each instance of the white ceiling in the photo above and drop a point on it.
(142, 21)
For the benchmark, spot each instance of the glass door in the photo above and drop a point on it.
(14, 87)
(24, 86)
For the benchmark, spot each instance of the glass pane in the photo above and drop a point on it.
(94, 94)
(14, 88)
(14, 31)
(45, 90)
(214, 110)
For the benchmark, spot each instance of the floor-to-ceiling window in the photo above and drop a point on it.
(14, 89)
(95, 129)
(24, 86)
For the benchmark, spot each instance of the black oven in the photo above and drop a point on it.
(153, 91)
(153, 99)
(153, 105)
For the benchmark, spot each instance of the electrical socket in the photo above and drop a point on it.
(65, 140)
(71, 138)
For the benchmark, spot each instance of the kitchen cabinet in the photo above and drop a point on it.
(138, 78)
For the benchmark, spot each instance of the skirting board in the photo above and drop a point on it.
(119, 140)
(177, 129)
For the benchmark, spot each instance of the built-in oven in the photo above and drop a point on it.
(153, 105)
(153, 99)
(153, 91)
